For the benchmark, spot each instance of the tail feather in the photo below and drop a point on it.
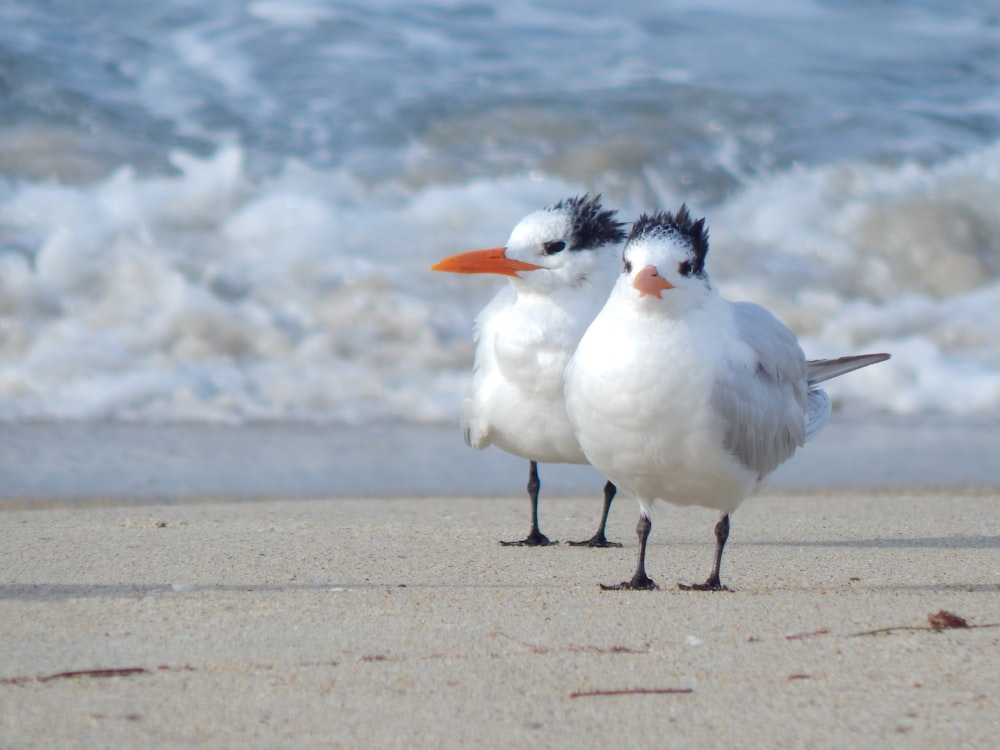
(824, 369)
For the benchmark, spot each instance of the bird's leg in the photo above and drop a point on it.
(640, 581)
(714, 583)
(535, 538)
(598, 539)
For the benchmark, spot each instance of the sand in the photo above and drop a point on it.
(402, 623)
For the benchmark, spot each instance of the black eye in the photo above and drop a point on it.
(685, 268)
(628, 266)
(556, 246)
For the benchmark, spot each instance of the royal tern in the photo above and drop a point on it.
(559, 278)
(679, 394)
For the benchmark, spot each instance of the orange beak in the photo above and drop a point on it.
(649, 281)
(494, 260)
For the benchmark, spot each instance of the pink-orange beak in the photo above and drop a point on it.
(494, 260)
(649, 281)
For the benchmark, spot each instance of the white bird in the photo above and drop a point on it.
(559, 277)
(680, 395)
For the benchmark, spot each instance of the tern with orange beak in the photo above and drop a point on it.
(560, 263)
(680, 395)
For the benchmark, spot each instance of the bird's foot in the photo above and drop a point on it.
(708, 585)
(638, 583)
(597, 540)
(534, 539)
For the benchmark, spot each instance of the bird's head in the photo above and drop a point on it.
(550, 248)
(664, 258)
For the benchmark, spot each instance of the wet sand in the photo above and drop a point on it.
(93, 462)
(402, 623)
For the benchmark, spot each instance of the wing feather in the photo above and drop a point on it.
(763, 414)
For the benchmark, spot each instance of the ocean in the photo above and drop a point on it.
(224, 213)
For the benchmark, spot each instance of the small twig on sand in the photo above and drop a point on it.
(803, 636)
(115, 672)
(940, 620)
(632, 691)
(98, 673)
(573, 648)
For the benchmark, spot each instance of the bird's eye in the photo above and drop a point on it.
(685, 268)
(628, 266)
(556, 246)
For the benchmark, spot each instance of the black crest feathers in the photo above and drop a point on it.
(593, 226)
(678, 227)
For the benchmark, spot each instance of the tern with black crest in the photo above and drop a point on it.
(560, 263)
(678, 394)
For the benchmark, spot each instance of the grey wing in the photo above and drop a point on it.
(763, 402)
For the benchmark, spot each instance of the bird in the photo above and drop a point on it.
(560, 266)
(679, 394)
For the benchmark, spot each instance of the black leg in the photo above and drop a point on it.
(714, 583)
(640, 581)
(535, 538)
(598, 539)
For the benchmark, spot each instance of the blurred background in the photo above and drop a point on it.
(222, 213)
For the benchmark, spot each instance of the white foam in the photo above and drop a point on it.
(202, 296)
(212, 295)
(857, 257)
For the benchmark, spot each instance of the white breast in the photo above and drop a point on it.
(639, 392)
(516, 398)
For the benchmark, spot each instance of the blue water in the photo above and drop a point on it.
(224, 211)
(706, 93)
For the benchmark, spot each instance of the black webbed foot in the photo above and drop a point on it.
(597, 540)
(708, 585)
(534, 539)
(638, 583)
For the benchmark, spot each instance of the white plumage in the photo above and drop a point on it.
(560, 266)
(678, 394)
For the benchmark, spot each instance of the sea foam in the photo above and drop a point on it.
(211, 293)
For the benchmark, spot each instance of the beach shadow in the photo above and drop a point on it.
(66, 591)
(930, 542)
(971, 588)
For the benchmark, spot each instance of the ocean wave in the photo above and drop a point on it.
(215, 294)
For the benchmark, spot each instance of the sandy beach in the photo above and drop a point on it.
(402, 623)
